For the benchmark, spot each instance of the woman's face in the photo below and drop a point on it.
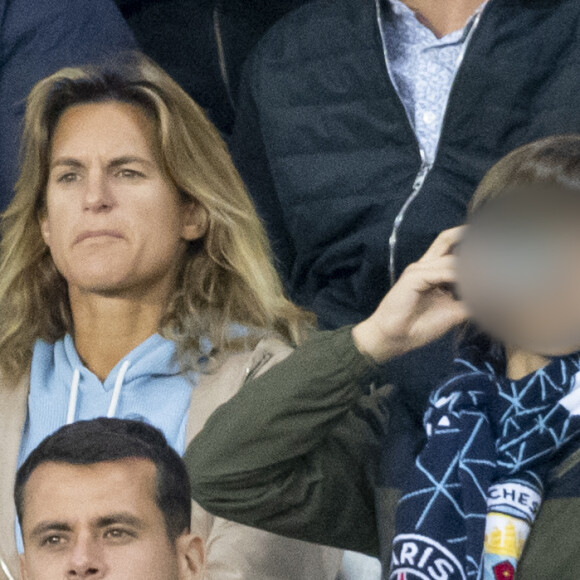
(114, 222)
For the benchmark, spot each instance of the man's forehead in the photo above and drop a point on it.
(54, 468)
(92, 490)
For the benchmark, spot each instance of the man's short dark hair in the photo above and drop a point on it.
(98, 440)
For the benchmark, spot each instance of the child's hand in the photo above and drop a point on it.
(419, 308)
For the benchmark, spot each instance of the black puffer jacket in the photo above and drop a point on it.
(202, 44)
(324, 144)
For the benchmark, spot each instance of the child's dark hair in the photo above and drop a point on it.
(553, 163)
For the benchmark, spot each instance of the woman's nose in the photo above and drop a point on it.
(98, 195)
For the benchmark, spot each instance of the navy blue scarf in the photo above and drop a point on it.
(476, 486)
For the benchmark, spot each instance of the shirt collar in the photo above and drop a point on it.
(406, 18)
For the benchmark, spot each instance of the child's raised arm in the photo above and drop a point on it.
(419, 308)
(295, 451)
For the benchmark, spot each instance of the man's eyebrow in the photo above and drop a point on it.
(119, 518)
(49, 526)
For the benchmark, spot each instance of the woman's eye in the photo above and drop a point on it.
(130, 173)
(67, 178)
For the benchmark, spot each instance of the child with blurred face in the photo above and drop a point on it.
(497, 426)
(518, 262)
(497, 456)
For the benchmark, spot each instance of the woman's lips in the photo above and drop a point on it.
(97, 234)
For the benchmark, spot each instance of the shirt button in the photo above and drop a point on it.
(429, 117)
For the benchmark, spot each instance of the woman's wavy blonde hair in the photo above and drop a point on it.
(227, 277)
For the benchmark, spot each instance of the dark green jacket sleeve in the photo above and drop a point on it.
(295, 451)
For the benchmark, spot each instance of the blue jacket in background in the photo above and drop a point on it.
(38, 37)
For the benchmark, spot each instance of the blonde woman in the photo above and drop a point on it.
(135, 282)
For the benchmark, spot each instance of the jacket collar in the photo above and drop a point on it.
(13, 403)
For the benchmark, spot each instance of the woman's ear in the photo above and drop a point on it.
(191, 554)
(195, 221)
(44, 228)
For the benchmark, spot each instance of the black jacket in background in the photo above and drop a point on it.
(203, 44)
(324, 145)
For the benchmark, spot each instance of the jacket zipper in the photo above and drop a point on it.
(415, 190)
(425, 166)
(221, 53)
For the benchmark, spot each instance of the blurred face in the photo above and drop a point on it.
(519, 270)
(114, 222)
(101, 521)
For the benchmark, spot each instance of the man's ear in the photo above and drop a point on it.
(195, 221)
(191, 554)
(23, 572)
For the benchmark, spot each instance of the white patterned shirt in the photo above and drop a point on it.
(423, 68)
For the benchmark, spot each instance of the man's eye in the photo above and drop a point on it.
(52, 541)
(118, 534)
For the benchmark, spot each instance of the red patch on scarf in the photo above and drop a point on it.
(504, 571)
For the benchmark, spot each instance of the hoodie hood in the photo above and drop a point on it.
(145, 385)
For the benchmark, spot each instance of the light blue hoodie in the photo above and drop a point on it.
(145, 385)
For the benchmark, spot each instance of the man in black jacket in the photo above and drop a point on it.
(202, 44)
(364, 126)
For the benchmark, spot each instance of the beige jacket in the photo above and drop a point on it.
(234, 551)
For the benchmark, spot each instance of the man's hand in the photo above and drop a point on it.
(419, 308)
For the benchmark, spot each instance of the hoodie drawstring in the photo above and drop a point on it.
(117, 390)
(74, 393)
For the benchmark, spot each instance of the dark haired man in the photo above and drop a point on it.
(106, 498)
